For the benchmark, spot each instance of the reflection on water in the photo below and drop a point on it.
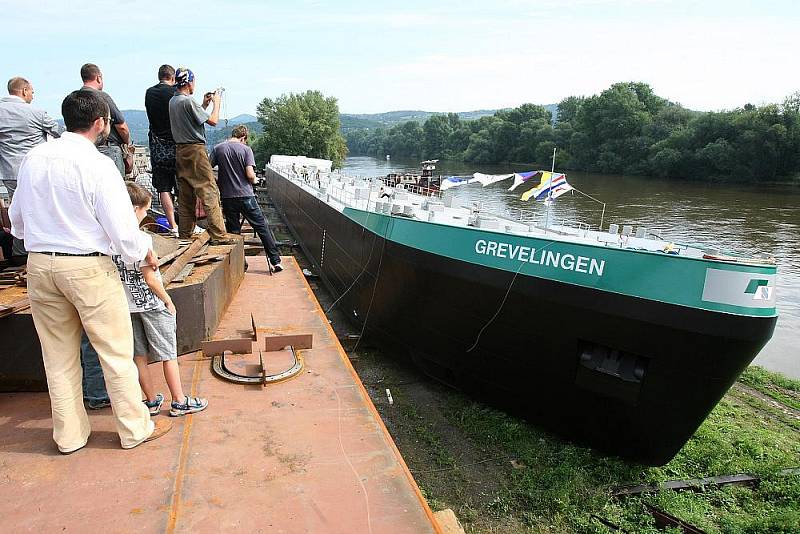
(742, 218)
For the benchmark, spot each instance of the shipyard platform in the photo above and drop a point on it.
(309, 454)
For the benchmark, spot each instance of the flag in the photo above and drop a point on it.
(488, 179)
(452, 181)
(522, 177)
(551, 186)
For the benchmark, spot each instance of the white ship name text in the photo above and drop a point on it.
(547, 258)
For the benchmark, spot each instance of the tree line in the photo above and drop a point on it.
(626, 129)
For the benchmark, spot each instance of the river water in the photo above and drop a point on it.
(742, 218)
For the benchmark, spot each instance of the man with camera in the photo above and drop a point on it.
(193, 170)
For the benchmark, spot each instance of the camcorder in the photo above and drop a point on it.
(219, 90)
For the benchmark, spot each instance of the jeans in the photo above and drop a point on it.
(94, 384)
(232, 208)
(115, 153)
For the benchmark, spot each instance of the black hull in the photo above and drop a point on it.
(629, 376)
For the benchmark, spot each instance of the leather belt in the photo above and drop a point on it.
(69, 254)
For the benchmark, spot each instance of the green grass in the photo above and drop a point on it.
(781, 388)
(425, 433)
(562, 485)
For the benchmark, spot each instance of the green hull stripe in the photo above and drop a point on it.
(649, 275)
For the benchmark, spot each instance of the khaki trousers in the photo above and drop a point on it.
(67, 292)
(196, 180)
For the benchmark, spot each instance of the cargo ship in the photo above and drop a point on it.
(620, 340)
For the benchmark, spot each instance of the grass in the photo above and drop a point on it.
(563, 486)
(780, 388)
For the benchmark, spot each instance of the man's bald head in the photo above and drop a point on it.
(21, 87)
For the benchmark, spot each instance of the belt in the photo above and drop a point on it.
(69, 254)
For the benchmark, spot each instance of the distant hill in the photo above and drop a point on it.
(354, 121)
(244, 118)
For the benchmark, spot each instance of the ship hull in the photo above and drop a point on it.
(630, 376)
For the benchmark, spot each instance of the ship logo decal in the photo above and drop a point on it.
(739, 288)
(760, 289)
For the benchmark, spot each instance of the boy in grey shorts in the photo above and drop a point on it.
(153, 318)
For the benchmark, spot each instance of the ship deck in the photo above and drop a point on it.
(341, 191)
(306, 455)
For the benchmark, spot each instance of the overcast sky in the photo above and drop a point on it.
(436, 56)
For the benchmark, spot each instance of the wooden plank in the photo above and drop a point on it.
(448, 522)
(162, 245)
(235, 346)
(207, 258)
(298, 341)
(15, 307)
(171, 256)
(181, 276)
(181, 261)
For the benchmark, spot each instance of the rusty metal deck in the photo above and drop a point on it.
(306, 455)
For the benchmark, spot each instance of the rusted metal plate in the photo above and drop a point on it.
(204, 296)
(298, 341)
(219, 346)
(21, 366)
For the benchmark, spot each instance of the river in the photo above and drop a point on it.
(742, 218)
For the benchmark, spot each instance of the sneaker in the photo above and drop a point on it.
(155, 405)
(215, 242)
(173, 231)
(277, 268)
(99, 404)
(189, 405)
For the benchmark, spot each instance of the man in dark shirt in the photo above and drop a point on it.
(162, 145)
(236, 176)
(120, 134)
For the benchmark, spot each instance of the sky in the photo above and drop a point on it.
(376, 56)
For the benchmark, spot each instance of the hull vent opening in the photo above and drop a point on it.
(610, 372)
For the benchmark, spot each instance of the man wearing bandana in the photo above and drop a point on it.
(193, 169)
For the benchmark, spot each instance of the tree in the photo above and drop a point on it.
(437, 132)
(568, 108)
(305, 124)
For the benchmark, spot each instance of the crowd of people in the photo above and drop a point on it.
(98, 303)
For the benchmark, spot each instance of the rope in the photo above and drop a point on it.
(503, 302)
(366, 264)
(374, 286)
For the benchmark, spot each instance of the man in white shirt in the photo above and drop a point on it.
(73, 212)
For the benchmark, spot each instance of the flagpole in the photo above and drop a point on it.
(550, 192)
